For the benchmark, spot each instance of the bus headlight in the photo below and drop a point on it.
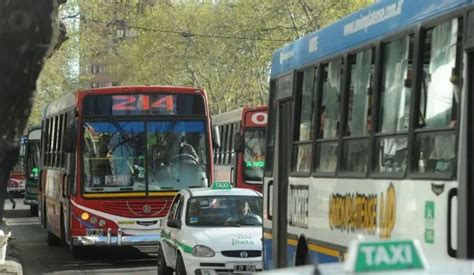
(93, 220)
(203, 251)
(85, 216)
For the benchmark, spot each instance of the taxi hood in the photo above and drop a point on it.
(230, 238)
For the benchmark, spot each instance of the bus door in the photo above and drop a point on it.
(280, 189)
(465, 208)
(69, 177)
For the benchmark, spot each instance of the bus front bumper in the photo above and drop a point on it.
(119, 240)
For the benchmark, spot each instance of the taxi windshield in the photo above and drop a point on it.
(224, 211)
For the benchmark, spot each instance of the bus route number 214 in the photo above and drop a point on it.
(143, 102)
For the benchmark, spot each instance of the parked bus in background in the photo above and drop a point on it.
(31, 168)
(371, 133)
(240, 158)
(113, 158)
(16, 181)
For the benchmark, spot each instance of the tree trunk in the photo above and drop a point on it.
(27, 30)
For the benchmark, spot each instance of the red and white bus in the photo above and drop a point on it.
(240, 158)
(113, 158)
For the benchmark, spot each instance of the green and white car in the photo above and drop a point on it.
(210, 231)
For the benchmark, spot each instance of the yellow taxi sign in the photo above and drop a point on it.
(221, 185)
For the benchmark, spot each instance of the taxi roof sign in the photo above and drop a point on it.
(221, 185)
(379, 256)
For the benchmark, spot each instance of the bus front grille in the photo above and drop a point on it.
(138, 208)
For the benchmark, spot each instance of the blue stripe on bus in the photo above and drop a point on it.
(267, 254)
(316, 257)
(368, 24)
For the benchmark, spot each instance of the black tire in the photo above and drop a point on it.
(53, 240)
(302, 253)
(76, 251)
(163, 269)
(180, 269)
(34, 210)
(43, 215)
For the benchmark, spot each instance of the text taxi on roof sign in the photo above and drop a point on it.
(377, 257)
(210, 230)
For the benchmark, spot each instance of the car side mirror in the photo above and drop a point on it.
(174, 223)
(216, 138)
(68, 140)
(239, 143)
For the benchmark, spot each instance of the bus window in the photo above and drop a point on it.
(329, 117)
(331, 98)
(361, 72)
(114, 156)
(301, 160)
(359, 118)
(435, 152)
(391, 152)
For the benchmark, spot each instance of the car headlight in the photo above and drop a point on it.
(203, 251)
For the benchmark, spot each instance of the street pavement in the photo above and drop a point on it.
(29, 247)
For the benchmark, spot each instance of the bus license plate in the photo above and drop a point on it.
(93, 232)
(245, 268)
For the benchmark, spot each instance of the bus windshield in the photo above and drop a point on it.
(121, 156)
(254, 157)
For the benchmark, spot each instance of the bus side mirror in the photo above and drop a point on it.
(239, 143)
(68, 140)
(216, 138)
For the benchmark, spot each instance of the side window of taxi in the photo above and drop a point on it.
(174, 207)
(180, 208)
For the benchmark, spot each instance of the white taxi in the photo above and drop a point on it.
(212, 231)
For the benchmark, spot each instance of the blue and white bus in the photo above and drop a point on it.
(370, 133)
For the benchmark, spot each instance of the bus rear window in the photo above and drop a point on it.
(143, 104)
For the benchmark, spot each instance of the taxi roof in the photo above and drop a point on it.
(202, 192)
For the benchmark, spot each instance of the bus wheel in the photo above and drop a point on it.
(163, 269)
(180, 269)
(302, 253)
(34, 210)
(53, 240)
(76, 251)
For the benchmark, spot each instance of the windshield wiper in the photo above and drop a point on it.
(126, 189)
(166, 135)
(121, 131)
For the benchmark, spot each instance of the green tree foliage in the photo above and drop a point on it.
(222, 46)
(60, 72)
